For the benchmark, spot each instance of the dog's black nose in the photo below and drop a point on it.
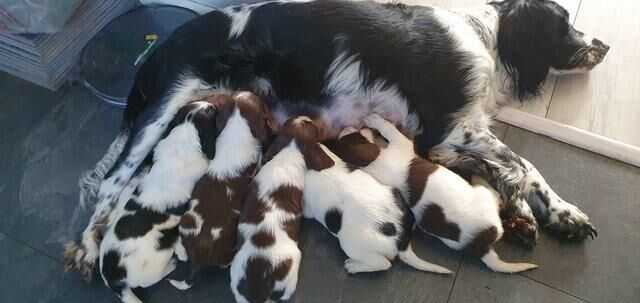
(601, 45)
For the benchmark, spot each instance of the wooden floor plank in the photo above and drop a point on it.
(607, 100)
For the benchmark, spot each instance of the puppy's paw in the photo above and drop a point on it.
(346, 131)
(375, 121)
(353, 266)
(367, 133)
(522, 228)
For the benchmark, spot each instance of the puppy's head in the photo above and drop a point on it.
(536, 37)
(356, 147)
(252, 109)
(303, 132)
(203, 116)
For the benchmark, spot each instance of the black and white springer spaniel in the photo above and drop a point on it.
(439, 75)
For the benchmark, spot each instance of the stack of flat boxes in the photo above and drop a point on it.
(48, 59)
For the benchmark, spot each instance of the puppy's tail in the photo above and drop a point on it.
(494, 262)
(410, 258)
(181, 285)
(127, 296)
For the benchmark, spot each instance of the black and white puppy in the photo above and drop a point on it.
(209, 229)
(266, 265)
(137, 249)
(463, 216)
(370, 219)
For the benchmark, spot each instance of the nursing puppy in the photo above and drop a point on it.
(463, 216)
(266, 265)
(208, 230)
(370, 219)
(137, 250)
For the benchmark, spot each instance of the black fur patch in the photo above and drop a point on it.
(404, 235)
(276, 294)
(168, 238)
(178, 210)
(350, 167)
(138, 224)
(387, 229)
(333, 220)
(113, 273)
(467, 138)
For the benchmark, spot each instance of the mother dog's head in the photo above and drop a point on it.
(536, 37)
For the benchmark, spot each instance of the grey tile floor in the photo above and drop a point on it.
(47, 139)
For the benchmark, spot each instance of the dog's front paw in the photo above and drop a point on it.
(572, 224)
(524, 229)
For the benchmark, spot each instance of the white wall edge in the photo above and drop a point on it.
(571, 135)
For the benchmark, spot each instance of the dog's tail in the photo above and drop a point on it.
(494, 262)
(410, 258)
(90, 180)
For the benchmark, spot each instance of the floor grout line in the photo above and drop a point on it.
(30, 246)
(555, 85)
(554, 288)
(455, 279)
(506, 131)
(553, 92)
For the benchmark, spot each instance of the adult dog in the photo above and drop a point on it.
(438, 75)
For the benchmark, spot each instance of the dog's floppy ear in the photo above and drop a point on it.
(316, 158)
(275, 148)
(524, 45)
(355, 149)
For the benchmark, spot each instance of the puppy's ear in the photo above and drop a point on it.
(317, 159)
(355, 149)
(204, 124)
(224, 113)
(260, 129)
(275, 148)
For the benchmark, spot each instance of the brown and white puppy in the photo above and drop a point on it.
(371, 220)
(463, 216)
(265, 267)
(208, 230)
